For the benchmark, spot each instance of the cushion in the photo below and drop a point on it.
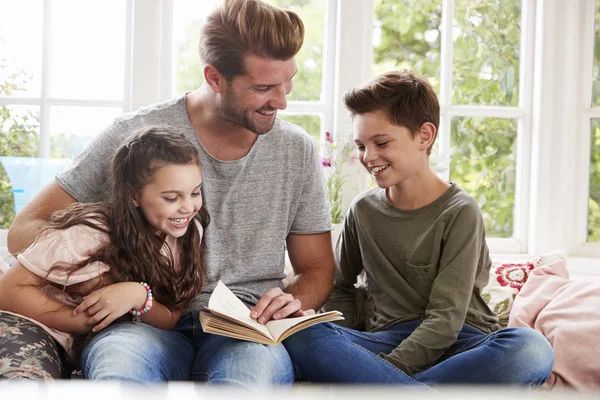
(567, 313)
(506, 280)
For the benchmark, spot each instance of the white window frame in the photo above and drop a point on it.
(579, 244)
(356, 26)
(45, 102)
(554, 107)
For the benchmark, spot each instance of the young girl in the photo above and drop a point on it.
(421, 242)
(138, 257)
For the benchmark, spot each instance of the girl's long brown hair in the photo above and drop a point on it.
(134, 251)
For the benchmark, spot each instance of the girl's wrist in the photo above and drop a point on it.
(137, 313)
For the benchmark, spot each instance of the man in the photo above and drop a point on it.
(262, 187)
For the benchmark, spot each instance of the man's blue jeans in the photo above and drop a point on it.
(138, 352)
(331, 353)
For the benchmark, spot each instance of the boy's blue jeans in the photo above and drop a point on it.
(331, 353)
(138, 352)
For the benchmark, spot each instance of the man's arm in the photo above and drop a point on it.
(35, 216)
(312, 259)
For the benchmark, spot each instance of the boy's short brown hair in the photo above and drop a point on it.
(241, 27)
(408, 100)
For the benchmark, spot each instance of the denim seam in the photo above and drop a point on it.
(369, 338)
(384, 360)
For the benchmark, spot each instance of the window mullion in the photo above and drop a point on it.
(166, 50)
(145, 73)
(582, 193)
(446, 54)
(328, 76)
(44, 138)
(127, 81)
(444, 134)
(523, 161)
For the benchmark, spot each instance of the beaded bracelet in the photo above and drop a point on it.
(136, 315)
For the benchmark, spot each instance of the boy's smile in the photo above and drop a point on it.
(390, 153)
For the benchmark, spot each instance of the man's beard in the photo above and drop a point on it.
(233, 113)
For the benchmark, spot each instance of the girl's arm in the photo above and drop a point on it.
(20, 292)
(105, 305)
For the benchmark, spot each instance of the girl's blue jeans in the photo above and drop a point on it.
(331, 353)
(138, 352)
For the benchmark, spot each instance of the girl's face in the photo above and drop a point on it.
(170, 202)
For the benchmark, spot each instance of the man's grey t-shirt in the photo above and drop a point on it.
(253, 202)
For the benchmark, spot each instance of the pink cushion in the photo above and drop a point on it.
(567, 313)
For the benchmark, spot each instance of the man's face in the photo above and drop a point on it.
(252, 100)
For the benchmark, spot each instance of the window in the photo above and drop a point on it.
(56, 88)
(588, 228)
(593, 225)
(518, 81)
(474, 54)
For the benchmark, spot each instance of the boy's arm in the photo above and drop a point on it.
(21, 294)
(35, 216)
(348, 267)
(450, 295)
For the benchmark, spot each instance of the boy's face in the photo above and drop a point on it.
(389, 152)
(172, 200)
(252, 100)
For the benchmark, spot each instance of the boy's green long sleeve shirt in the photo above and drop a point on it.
(429, 263)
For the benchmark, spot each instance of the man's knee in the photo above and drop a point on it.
(246, 364)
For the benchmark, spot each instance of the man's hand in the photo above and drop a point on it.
(276, 304)
(105, 305)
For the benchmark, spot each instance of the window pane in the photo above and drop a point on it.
(307, 82)
(72, 128)
(88, 49)
(407, 36)
(189, 16)
(594, 200)
(596, 71)
(19, 133)
(486, 52)
(483, 163)
(20, 48)
(310, 123)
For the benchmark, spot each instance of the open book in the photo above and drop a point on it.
(227, 315)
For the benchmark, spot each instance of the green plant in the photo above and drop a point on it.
(335, 156)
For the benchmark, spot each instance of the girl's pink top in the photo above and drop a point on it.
(71, 246)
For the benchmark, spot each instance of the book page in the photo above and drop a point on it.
(223, 301)
(281, 326)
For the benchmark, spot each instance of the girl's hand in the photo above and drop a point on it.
(105, 305)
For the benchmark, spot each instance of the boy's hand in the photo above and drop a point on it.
(105, 305)
(276, 304)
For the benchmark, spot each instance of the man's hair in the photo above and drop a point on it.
(241, 27)
(406, 98)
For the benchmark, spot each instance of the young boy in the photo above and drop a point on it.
(421, 242)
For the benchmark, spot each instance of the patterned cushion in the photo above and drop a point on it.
(507, 279)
